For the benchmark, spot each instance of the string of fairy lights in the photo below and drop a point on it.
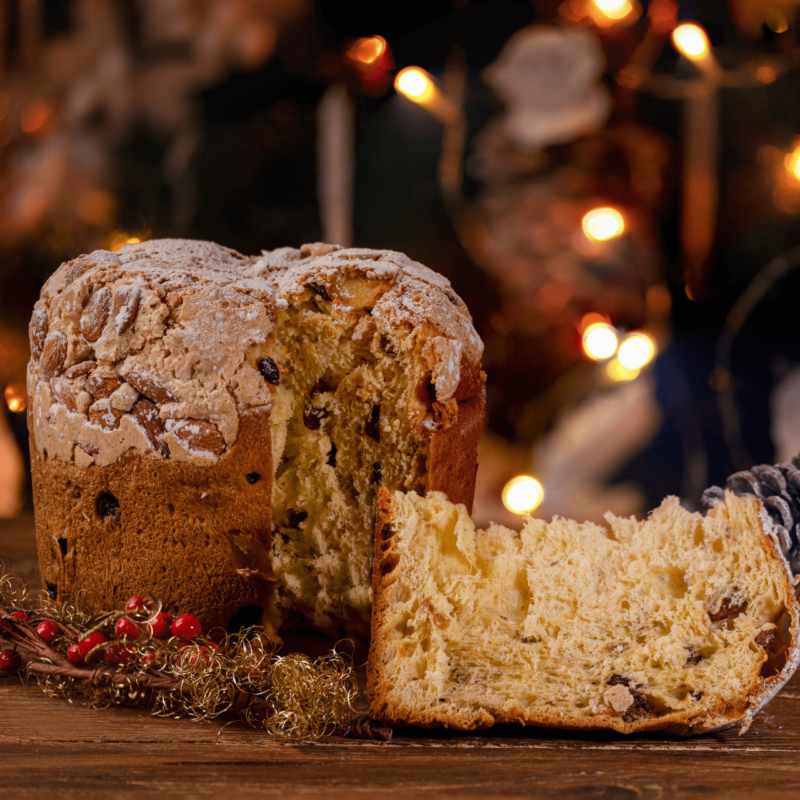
(620, 355)
(624, 354)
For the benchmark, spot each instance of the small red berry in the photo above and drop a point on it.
(90, 642)
(20, 615)
(186, 626)
(136, 603)
(10, 660)
(126, 629)
(74, 655)
(148, 657)
(159, 627)
(48, 631)
(117, 654)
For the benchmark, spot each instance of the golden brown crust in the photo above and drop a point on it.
(196, 537)
(453, 450)
(383, 708)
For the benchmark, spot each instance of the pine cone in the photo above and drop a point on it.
(779, 489)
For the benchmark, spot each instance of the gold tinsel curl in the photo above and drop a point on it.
(291, 697)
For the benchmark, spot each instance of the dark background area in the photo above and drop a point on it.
(254, 187)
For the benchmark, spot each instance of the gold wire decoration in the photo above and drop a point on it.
(290, 697)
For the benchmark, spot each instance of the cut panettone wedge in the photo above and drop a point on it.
(684, 623)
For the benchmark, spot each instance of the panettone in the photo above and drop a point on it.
(680, 623)
(213, 428)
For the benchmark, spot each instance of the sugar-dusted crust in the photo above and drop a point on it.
(386, 708)
(197, 537)
(172, 321)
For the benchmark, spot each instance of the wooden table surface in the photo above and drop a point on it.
(54, 749)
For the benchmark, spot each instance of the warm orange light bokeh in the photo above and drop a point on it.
(601, 224)
(414, 83)
(16, 397)
(523, 494)
(600, 341)
(120, 238)
(792, 162)
(691, 41)
(613, 9)
(367, 50)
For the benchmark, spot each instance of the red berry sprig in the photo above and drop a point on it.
(196, 675)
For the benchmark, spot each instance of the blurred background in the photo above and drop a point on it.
(613, 186)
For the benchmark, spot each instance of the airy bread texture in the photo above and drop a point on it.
(212, 428)
(380, 385)
(681, 623)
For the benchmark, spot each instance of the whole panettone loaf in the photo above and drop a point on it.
(681, 623)
(213, 428)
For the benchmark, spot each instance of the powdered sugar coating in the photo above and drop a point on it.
(410, 295)
(187, 333)
(189, 322)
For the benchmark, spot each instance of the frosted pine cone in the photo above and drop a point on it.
(779, 488)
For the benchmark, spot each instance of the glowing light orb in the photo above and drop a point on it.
(792, 163)
(614, 9)
(367, 50)
(599, 341)
(523, 494)
(16, 398)
(691, 41)
(636, 351)
(414, 83)
(602, 224)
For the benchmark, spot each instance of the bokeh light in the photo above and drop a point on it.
(599, 341)
(614, 9)
(119, 239)
(367, 50)
(601, 224)
(691, 41)
(414, 83)
(792, 162)
(636, 351)
(16, 397)
(523, 494)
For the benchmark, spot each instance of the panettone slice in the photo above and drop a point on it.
(684, 623)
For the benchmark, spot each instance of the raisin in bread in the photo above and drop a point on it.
(213, 428)
(681, 623)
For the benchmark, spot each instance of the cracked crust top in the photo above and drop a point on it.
(157, 348)
(153, 349)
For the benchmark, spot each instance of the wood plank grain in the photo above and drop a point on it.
(52, 748)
